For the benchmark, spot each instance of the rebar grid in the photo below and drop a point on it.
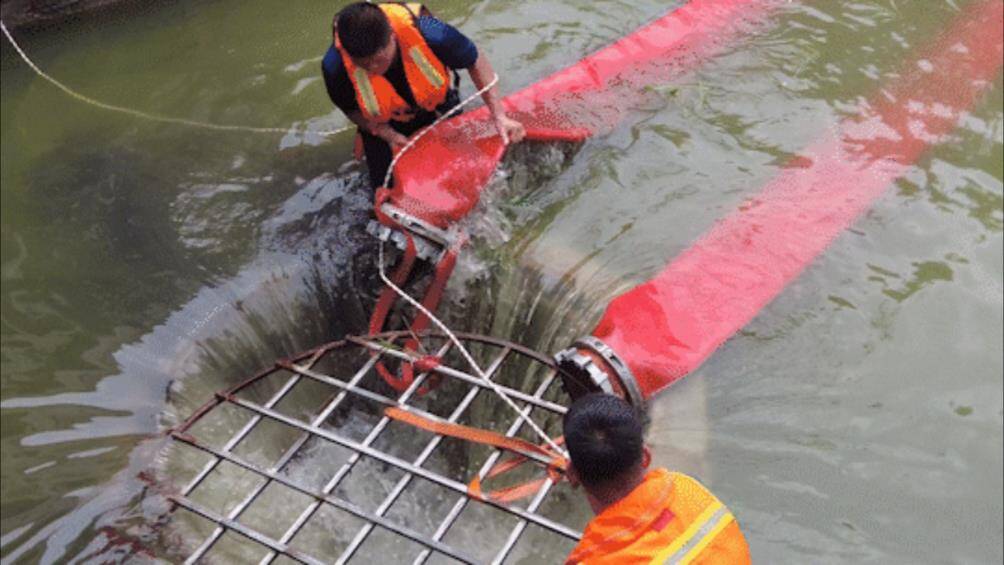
(291, 451)
(348, 465)
(426, 452)
(343, 393)
(459, 506)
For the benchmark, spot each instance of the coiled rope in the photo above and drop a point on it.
(147, 115)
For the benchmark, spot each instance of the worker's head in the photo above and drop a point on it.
(604, 436)
(364, 33)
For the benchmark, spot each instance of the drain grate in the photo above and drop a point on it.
(268, 429)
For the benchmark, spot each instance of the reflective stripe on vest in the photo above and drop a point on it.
(668, 518)
(366, 93)
(430, 73)
(701, 532)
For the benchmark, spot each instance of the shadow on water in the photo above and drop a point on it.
(289, 283)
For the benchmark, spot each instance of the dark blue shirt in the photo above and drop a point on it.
(453, 48)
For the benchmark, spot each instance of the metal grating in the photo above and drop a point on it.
(513, 367)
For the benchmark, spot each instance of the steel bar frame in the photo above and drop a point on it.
(426, 452)
(346, 467)
(301, 369)
(465, 377)
(286, 457)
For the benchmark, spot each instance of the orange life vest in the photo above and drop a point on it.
(427, 76)
(669, 518)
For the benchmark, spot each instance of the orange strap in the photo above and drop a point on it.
(431, 301)
(382, 309)
(386, 300)
(523, 450)
(515, 492)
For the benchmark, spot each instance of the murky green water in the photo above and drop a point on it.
(858, 418)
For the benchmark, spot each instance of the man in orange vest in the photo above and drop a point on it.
(642, 516)
(391, 70)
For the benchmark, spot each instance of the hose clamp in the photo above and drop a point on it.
(424, 249)
(584, 375)
(430, 241)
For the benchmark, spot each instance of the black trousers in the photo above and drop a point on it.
(377, 151)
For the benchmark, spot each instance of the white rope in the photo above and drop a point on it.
(470, 360)
(146, 115)
(416, 137)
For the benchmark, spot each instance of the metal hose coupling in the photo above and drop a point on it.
(590, 365)
(430, 241)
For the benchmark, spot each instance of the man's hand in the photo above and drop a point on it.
(510, 130)
(395, 139)
(482, 74)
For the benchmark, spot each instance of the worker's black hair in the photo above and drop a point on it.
(362, 29)
(604, 437)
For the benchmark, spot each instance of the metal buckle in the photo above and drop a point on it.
(430, 241)
(424, 249)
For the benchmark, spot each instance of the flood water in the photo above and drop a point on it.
(858, 418)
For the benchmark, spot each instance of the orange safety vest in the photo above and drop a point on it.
(427, 76)
(669, 518)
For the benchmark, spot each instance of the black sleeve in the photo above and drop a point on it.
(452, 47)
(336, 81)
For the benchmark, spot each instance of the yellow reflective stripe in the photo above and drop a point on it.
(362, 80)
(426, 67)
(693, 553)
(687, 534)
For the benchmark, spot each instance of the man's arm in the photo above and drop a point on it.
(482, 74)
(383, 131)
(457, 51)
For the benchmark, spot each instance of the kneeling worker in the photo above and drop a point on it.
(390, 69)
(641, 516)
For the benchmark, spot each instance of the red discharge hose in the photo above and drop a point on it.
(440, 178)
(668, 326)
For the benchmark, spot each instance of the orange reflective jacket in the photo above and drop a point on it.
(669, 518)
(427, 76)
